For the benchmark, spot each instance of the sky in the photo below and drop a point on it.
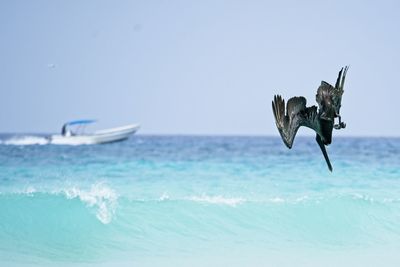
(207, 67)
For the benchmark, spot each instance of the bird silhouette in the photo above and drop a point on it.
(321, 119)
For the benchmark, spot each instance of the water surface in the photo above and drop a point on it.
(199, 201)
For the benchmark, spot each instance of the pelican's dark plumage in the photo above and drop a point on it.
(321, 119)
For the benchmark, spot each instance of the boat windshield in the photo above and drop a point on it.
(75, 127)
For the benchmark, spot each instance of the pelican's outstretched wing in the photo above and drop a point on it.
(338, 90)
(296, 115)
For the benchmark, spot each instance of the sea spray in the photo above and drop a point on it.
(99, 196)
(25, 140)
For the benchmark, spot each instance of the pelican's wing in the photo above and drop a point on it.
(324, 92)
(297, 114)
(288, 122)
(338, 90)
(310, 118)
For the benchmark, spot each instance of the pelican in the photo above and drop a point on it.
(321, 120)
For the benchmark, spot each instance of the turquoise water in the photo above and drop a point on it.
(199, 201)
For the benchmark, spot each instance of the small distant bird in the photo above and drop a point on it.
(322, 121)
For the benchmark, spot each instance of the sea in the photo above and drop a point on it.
(199, 201)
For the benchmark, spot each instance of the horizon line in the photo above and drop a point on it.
(219, 135)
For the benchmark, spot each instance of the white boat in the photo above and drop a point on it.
(79, 137)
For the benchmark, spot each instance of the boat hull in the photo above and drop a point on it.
(98, 137)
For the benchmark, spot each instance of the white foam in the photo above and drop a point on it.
(302, 199)
(217, 200)
(164, 196)
(100, 196)
(30, 190)
(391, 200)
(25, 140)
(276, 200)
(364, 197)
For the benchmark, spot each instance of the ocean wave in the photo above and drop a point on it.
(103, 200)
(25, 140)
(288, 200)
(99, 197)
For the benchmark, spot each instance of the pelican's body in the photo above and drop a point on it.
(321, 120)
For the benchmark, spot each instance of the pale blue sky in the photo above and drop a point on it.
(195, 67)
